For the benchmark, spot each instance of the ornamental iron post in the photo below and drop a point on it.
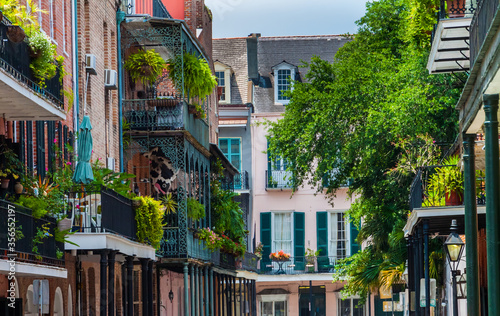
(471, 252)
(492, 202)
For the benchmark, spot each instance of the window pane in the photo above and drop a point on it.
(283, 83)
(235, 146)
(357, 311)
(224, 146)
(345, 307)
(283, 232)
(267, 308)
(279, 308)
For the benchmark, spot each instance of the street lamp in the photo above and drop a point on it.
(454, 247)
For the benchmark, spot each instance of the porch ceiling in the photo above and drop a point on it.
(20, 103)
(440, 219)
(450, 48)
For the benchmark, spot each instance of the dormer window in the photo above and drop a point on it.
(223, 74)
(284, 73)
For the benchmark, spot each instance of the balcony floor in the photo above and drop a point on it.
(450, 51)
(18, 102)
(34, 270)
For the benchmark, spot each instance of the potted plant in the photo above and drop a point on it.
(145, 66)
(169, 203)
(195, 210)
(311, 256)
(193, 75)
(279, 256)
(448, 181)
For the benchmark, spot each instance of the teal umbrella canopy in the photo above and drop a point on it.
(83, 171)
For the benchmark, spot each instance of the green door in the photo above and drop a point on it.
(231, 148)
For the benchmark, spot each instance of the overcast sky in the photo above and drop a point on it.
(238, 18)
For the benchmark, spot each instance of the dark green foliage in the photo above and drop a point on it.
(145, 66)
(356, 115)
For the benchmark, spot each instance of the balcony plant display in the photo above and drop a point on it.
(195, 210)
(279, 256)
(169, 203)
(149, 218)
(258, 250)
(9, 166)
(447, 182)
(197, 111)
(212, 241)
(145, 66)
(192, 75)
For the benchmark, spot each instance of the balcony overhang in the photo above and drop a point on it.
(440, 218)
(450, 51)
(97, 241)
(24, 269)
(18, 102)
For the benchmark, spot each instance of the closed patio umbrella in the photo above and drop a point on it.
(83, 171)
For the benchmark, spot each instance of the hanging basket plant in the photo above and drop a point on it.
(145, 66)
(198, 78)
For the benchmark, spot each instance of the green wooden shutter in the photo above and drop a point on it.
(299, 240)
(322, 233)
(354, 233)
(265, 239)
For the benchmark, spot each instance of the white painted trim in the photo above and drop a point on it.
(295, 277)
(34, 270)
(282, 66)
(94, 241)
(273, 297)
(220, 67)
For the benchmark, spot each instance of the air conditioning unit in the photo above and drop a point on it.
(110, 163)
(110, 79)
(90, 64)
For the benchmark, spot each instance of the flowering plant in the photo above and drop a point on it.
(258, 250)
(212, 240)
(279, 256)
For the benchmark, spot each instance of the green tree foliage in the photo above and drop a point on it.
(364, 116)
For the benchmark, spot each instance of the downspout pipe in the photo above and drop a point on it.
(76, 107)
(120, 17)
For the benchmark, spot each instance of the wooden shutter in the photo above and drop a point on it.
(354, 233)
(265, 239)
(322, 233)
(299, 240)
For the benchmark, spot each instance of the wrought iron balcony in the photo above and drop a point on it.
(298, 265)
(96, 209)
(425, 192)
(480, 25)
(22, 97)
(249, 262)
(154, 115)
(23, 227)
(279, 180)
(241, 181)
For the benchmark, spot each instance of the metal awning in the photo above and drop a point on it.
(450, 47)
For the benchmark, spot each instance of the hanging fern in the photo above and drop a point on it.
(145, 66)
(198, 79)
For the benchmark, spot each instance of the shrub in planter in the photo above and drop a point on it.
(448, 182)
(149, 218)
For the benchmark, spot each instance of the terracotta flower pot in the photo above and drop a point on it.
(453, 198)
(18, 188)
(64, 224)
(5, 183)
(15, 33)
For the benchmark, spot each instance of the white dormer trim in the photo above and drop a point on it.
(279, 71)
(221, 67)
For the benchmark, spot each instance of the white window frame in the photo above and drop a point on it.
(273, 247)
(52, 32)
(276, 69)
(273, 298)
(64, 27)
(220, 67)
(347, 233)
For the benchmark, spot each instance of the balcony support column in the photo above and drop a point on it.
(104, 283)
(186, 289)
(196, 296)
(416, 273)
(150, 287)
(207, 296)
(130, 286)
(426, 269)
(191, 279)
(212, 303)
(144, 277)
(471, 228)
(492, 202)
(111, 282)
(123, 272)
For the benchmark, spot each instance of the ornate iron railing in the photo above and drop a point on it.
(96, 209)
(152, 7)
(298, 265)
(15, 60)
(426, 192)
(279, 179)
(154, 114)
(480, 25)
(19, 233)
(249, 262)
(241, 181)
